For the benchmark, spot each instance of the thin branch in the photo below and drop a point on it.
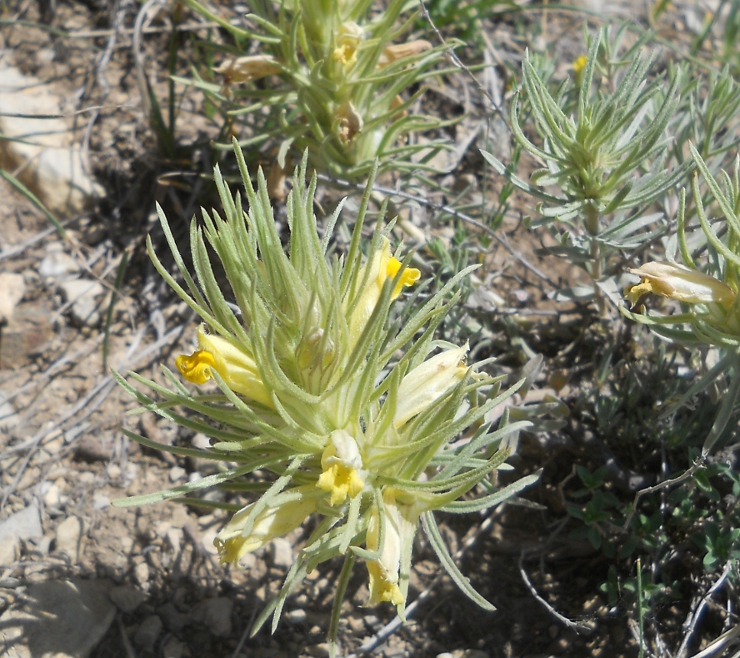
(696, 616)
(456, 61)
(573, 625)
(94, 398)
(501, 239)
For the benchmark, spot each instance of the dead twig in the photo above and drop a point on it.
(699, 463)
(456, 61)
(695, 616)
(501, 239)
(93, 399)
(578, 627)
(143, 16)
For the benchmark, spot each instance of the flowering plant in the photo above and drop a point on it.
(711, 317)
(604, 155)
(361, 423)
(331, 80)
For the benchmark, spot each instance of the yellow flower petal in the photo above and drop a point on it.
(235, 367)
(409, 277)
(400, 527)
(341, 462)
(428, 382)
(196, 368)
(382, 266)
(680, 283)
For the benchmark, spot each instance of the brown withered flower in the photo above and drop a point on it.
(394, 52)
(350, 122)
(247, 69)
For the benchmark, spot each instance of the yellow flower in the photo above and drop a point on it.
(382, 267)
(342, 463)
(348, 40)
(400, 527)
(579, 63)
(271, 522)
(428, 382)
(236, 368)
(680, 283)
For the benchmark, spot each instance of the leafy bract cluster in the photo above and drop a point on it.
(595, 159)
(362, 424)
(334, 78)
(605, 153)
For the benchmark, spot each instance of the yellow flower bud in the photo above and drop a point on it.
(579, 63)
(272, 522)
(679, 283)
(382, 266)
(428, 382)
(237, 369)
(342, 463)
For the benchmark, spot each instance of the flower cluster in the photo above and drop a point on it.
(348, 414)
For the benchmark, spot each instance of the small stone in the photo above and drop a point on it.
(51, 165)
(177, 473)
(520, 296)
(68, 537)
(12, 289)
(281, 553)
(100, 501)
(127, 598)
(356, 624)
(296, 617)
(9, 548)
(201, 442)
(25, 524)
(83, 294)
(319, 650)
(141, 573)
(372, 621)
(207, 541)
(68, 618)
(26, 334)
(146, 635)
(215, 614)
(171, 617)
(173, 648)
(43, 545)
(52, 497)
(179, 517)
(174, 539)
(249, 561)
(57, 264)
